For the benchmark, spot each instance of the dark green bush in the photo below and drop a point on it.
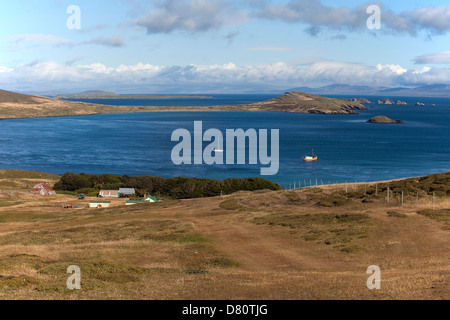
(176, 188)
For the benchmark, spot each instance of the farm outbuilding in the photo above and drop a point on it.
(126, 192)
(133, 202)
(109, 193)
(100, 204)
(43, 190)
(151, 199)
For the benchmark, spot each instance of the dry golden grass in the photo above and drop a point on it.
(24, 180)
(15, 105)
(303, 244)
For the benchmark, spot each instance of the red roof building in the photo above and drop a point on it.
(43, 190)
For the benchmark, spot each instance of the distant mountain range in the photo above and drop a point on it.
(437, 90)
(87, 94)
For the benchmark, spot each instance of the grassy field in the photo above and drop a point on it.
(313, 243)
(24, 180)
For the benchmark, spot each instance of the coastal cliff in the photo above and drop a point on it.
(299, 102)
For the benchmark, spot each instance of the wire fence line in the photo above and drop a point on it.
(410, 198)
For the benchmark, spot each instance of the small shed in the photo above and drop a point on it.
(133, 202)
(109, 193)
(126, 192)
(43, 190)
(151, 199)
(100, 204)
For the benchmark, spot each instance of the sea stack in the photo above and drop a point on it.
(384, 120)
(385, 101)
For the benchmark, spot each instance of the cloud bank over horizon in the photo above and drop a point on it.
(227, 78)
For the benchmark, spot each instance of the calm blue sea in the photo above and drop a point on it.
(349, 149)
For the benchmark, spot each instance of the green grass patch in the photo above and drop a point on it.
(442, 216)
(18, 282)
(69, 193)
(26, 216)
(395, 214)
(153, 230)
(231, 204)
(221, 262)
(192, 238)
(328, 200)
(327, 229)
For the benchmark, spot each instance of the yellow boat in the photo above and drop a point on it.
(311, 158)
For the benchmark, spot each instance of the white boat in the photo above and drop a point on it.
(311, 158)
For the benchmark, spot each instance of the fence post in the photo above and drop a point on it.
(402, 198)
(433, 200)
(388, 195)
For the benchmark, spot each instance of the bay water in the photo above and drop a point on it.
(349, 148)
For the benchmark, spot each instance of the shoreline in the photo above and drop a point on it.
(31, 172)
(180, 110)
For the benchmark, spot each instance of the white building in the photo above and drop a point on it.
(100, 204)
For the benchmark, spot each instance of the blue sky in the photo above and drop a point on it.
(218, 46)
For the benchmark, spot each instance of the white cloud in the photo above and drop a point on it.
(317, 15)
(114, 41)
(434, 58)
(5, 69)
(423, 70)
(228, 77)
(40, 39)
(394, 68)
(191, 15)
(435, 19)
(140, 67)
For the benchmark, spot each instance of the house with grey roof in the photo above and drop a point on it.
(126, 192)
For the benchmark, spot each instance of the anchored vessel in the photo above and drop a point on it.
(310, 158)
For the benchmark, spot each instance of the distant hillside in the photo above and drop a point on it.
(17, 98)
(97, 94)
(438, 90)
(16, 105)
(90, 94)
(300, 102)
